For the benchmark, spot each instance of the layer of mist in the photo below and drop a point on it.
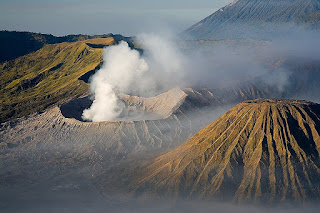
(167, 62)
(52, 167)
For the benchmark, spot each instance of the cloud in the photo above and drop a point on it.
(167, 62)
(126, 71)
(123, 71)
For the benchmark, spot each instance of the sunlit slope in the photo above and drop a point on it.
(262, 150)
(50, 75)
(14, 44)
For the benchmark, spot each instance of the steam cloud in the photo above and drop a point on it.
(166, 64)
(162, 66)
(126, 71)
(120, 72)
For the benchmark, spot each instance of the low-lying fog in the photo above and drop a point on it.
(168, 62)
(84, 199)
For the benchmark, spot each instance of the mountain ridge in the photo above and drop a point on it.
(18, 43)
(50, 75)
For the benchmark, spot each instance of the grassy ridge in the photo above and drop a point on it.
(48, 76)
(15, 44)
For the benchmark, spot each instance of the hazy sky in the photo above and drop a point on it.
(128, 17)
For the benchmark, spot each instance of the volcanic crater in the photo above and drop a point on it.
(135, 108)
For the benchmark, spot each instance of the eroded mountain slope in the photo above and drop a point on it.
(262, 150)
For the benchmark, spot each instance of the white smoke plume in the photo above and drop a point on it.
(120, 72)
(126, 71)
(165, 64)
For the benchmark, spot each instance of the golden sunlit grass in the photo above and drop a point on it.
(50, 75)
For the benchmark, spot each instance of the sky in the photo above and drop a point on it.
(127, 17)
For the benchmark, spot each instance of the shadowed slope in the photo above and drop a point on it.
(259, 150)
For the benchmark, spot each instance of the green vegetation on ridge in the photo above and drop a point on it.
(48, 76)
(15, 44)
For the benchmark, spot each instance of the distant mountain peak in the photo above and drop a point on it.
(258, 19)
